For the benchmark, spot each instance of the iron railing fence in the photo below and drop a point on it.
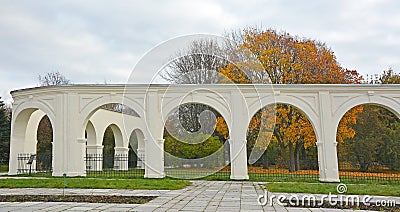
(118, 165)
(218, 169)
(33, 163)
(130, 166)
(282, 170)
(372, 171)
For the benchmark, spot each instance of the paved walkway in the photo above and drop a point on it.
(200, 196)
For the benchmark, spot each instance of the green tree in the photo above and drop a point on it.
(5, 126)
(362, 149)
(44, 144)
(108, 149)
(375, 143)
(199, 146)
(389, 77)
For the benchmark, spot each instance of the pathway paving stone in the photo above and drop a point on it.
(227, 196)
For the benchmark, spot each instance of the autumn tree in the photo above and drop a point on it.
(268, 56)
(287, 59)
(389, 77)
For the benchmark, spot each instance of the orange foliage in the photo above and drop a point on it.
(222, 127)
(290, 60)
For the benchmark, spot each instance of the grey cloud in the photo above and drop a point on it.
(97, 41)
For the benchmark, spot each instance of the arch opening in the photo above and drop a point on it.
(195, 143)
(369, 149)
(281, 142)
(32, 142)
(44, 146)
(108, 134)
(136, 150)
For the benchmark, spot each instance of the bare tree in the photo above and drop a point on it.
(53, 78)
(200, 63)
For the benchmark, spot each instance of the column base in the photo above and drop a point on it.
(154, 176)
(329, 180)
(245, 177)
(69, 174)
(12, 173)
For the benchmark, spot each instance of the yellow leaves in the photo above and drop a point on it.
(350, 118)
(222, 127)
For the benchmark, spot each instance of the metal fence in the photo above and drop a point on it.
(279, 170)
(374, 171)
(130, 166)
(197, 169)
(119, 165)
(29, 163)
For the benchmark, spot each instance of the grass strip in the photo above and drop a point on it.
(326, 188)
(147, 184)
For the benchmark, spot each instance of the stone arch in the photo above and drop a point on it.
(213, 162)
(305, 108)
(90, 108)
(118, 136)
(140, 137)
(300, 160)
(137, 143)
(91, 134)
(386, 103)
(220, 108)
(26, 119)
(372, 146)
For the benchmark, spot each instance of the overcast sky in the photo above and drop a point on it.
(101, 41)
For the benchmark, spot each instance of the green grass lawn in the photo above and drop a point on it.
(3, 168)
(151, 184)
(325, 188)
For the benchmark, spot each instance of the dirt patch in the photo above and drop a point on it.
(77, 198)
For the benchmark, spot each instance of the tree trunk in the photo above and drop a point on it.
(292, 161)
(297, 156)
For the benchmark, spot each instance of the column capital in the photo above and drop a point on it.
(121, 149)
(96, 146)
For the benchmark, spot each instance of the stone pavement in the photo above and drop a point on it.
(200, 196)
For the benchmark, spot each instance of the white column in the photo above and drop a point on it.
(238, 159)
(154, 148)
(327, 151)
(121, 158)
(69, 147)
(94, 157)
(237, 139)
